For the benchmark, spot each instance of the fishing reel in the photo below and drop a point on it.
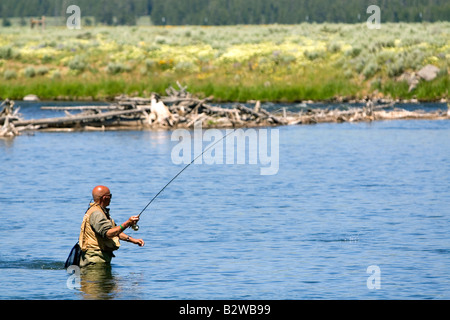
(135, 227)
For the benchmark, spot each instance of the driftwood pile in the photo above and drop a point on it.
(179, 109)
(369, 112)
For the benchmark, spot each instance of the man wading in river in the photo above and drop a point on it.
(99, 235)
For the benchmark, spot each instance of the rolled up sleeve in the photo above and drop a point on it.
(100, 223)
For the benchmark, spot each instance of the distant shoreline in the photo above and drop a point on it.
(277, 63)
(335, 100)
(182, 110)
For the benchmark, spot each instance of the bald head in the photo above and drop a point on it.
(99, 192)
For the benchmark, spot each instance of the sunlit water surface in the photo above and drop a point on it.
(346, 197)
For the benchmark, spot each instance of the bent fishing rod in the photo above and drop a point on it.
(136, 227)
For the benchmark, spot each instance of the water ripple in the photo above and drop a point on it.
(32, 264)
(346, 197)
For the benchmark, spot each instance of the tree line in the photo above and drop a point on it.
(230, 12)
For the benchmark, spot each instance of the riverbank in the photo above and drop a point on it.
(180, 109)
(278, 63)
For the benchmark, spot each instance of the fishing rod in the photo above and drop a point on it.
(136, 227)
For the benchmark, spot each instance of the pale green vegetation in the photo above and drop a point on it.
(266, 62)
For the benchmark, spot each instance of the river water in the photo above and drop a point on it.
(355, 211)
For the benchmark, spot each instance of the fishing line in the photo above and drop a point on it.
(136, 227)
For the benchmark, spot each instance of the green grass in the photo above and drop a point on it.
(425, 91)
(222, 91)
(309, 86)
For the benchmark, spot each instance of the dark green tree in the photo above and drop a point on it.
(228, 12)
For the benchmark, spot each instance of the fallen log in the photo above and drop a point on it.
(79, 119)
(276, 120)
(81, 108)
(251, 112)
(11, 118)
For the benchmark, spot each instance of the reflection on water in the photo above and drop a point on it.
(107, 282)
(98, 282)
(6, 142)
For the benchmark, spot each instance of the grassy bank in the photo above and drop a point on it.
(232, 63)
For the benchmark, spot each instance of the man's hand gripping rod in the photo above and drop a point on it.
(136, 227)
